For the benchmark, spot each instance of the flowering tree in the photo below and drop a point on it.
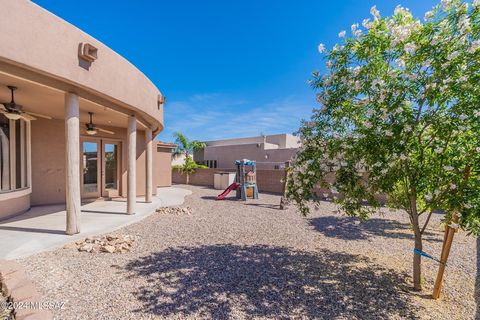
(399, 116)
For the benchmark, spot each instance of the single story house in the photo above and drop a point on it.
(269, 151)
(77, 120)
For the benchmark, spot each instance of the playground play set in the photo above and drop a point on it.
(245, 181)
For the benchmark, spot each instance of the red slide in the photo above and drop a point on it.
(231, 187)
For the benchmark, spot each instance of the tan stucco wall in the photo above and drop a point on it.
(283, 140)
(48, 162)
(162, 170)
(34, 39)
(226, 155)
(14, 206)
(267, 180)
(41, 48)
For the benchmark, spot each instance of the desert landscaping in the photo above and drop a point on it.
(236, 259)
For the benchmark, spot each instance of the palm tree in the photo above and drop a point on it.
(187, 147)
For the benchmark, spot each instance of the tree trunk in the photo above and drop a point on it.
(417, 263)
(188, 179)
(283, 199)
(417, 259)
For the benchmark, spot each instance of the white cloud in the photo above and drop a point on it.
(216, 116)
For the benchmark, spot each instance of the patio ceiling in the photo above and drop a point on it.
(41, 99)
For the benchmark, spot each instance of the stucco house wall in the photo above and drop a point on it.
(33, 37)
(283, 140)
(270, 152)
(162, 172)
(266, 158)
(48, 162)
(39, 54)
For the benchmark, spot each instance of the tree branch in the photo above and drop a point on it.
(426, 222)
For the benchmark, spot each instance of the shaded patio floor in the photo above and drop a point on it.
(42, 228)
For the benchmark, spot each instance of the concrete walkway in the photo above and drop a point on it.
(42, 228)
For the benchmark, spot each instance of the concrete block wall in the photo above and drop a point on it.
(270, 180)
(202, 177)
(267, 180)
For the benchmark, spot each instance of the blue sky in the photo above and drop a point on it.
(228, 68)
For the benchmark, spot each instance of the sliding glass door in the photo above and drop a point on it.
(91, 167)
(111, 172)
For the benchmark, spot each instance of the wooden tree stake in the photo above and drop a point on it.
(447, 244)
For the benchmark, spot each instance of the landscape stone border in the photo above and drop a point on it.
(16, 285)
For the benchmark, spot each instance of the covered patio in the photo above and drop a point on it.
(42, 228)
(78, 123)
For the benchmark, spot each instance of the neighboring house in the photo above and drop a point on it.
(62, 74)
(270, 152)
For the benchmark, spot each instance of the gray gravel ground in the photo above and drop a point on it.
(238, 260)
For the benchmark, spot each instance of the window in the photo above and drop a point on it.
(13, 154)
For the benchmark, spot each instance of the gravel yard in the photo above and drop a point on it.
(230, 259)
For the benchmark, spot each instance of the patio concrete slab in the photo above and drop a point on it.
(42, 228)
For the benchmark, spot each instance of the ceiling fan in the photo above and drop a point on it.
(92, 129)
(13, 111)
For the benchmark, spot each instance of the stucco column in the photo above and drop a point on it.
(131, 164)
(148, 165)
(72, 162)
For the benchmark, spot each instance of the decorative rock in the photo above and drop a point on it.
(108, 248)
(86, 247)
(70, 245)
(4, 313)
(175, 210)
(106, 244)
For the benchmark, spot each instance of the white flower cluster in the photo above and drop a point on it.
(475, 46)
(356, 31)
(367, 24)
(321, 48)
(429, 15)
(410, 48)
(375, 13)
(464, 24)
(446, 4)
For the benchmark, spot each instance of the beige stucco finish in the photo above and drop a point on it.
(265, 158)
(269, 152)
(41, 43)
(48, 164)
(39, 55)
(162, 158)
(14, 206)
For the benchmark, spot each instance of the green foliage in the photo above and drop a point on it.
(399, 116)
(186, 146)
(189, 167)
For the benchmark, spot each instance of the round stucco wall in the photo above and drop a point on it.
(35, 39)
